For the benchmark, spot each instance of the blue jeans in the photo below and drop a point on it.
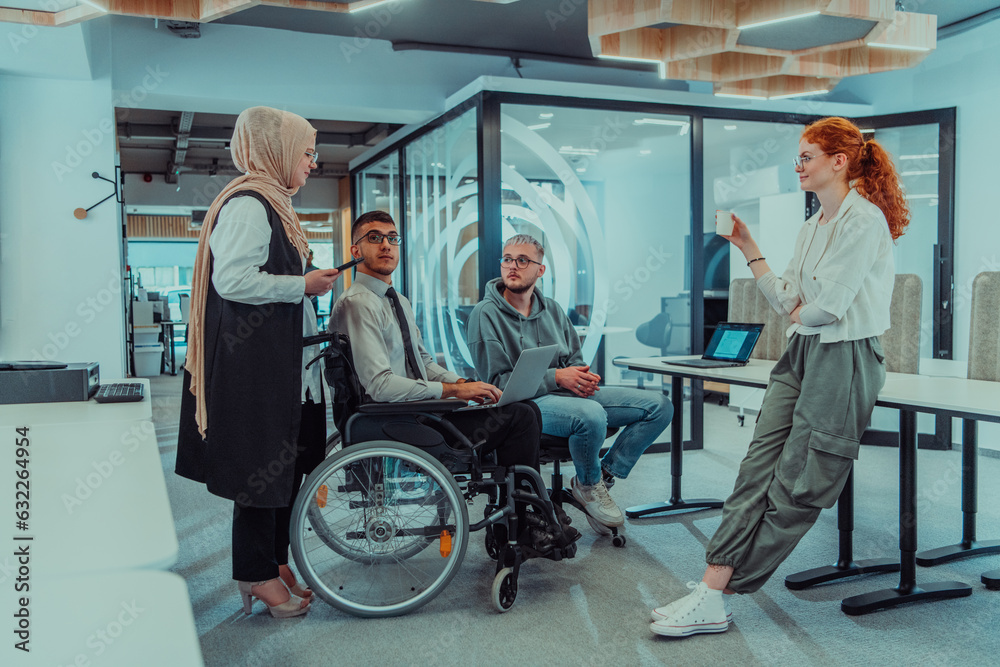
(585, 421)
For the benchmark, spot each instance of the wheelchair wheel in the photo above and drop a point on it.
(504, 590)
(379, 529)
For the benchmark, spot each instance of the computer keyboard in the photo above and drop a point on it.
(119, 392)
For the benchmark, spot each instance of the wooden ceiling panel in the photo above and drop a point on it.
(707, 46)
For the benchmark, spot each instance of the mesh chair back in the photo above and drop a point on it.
(901, 342)
(984, 332)
(748, 304)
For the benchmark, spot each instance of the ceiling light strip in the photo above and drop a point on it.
(660, 121)
(822, 91)
(781, 20)
(744, 97)
(660, 65)
(900, 47)
(376, 3)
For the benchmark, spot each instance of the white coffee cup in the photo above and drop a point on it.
(724, 223)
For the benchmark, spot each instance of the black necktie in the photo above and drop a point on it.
(404, 327)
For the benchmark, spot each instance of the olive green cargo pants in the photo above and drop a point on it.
(818, 401)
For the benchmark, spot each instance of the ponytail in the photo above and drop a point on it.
(870, 169)
(878, 183)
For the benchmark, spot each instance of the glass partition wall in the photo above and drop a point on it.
(607, 192)
(442, 237)
(623, 197)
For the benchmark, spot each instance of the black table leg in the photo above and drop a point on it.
(676, 502)
(845, 566)
(991, 580)
(907, 590)
(173, 353)
(970, 494)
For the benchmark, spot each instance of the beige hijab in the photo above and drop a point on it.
(267, 146)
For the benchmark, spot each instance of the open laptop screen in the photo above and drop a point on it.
(732, 341)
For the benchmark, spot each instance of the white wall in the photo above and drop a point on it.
(60, 278)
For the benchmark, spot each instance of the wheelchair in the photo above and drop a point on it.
(381, 527)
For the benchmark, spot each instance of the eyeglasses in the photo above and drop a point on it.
(313, 155)
(376, 239)
(521, 262)
(803, 159)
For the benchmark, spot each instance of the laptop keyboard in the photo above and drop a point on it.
(119, 392)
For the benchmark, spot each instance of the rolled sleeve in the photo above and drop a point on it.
(782, 293)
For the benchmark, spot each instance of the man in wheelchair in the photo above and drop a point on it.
(393, 366)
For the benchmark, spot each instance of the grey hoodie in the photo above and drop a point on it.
(498, 334)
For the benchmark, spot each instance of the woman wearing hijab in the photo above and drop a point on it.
(821, 393)
(253, 420)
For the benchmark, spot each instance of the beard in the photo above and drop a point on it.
(518, 290)
(383, 270)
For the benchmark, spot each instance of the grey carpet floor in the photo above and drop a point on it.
(593, 609)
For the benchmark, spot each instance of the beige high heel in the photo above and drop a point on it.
(296, 588)
(288, 609)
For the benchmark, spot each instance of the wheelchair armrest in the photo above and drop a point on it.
(435, 405)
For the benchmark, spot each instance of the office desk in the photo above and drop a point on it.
(955, 397)
(119, 619)
(973, 400)
(97, 500)
(84, 412)
(755, 374)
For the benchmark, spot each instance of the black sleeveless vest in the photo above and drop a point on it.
(253, 382)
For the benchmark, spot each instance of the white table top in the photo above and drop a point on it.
(957, 397)
(98, 500)
(582, 329)
(119, 619)
(26, 414)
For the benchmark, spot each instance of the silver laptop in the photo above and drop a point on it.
(731, 345)
(527, 376)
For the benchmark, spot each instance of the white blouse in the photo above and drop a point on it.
(843, 270)
(239, 244)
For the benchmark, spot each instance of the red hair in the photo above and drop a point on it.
(869, 168)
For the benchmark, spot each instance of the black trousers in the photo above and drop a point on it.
(261, 534)
(512, 431)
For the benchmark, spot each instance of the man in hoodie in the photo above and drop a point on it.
(513, 317)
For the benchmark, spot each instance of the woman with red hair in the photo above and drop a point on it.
(821, 393)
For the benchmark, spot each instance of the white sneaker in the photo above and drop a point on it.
(598, 503)
(660, 613)
(702, 610)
